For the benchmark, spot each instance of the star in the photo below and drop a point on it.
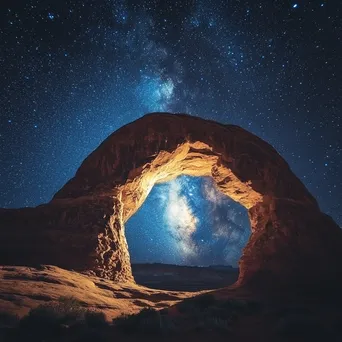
(71, 78)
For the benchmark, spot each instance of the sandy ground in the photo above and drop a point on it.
(23, 288)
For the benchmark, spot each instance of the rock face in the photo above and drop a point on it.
(23, 288)
(82, 228)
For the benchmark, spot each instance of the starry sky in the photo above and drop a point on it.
(193, 223)
(72, 72)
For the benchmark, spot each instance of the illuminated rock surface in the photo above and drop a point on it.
(24, 288)
(82, 228)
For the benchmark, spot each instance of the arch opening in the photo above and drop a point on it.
(195, 159)
(191, 158)
(187, 235)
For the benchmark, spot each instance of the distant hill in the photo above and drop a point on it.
(184, 278)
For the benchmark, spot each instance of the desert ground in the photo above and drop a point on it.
(184, 278)
(264, 317)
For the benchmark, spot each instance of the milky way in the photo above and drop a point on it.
(75, 71)
(187, 221)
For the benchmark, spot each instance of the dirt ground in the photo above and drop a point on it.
(282, 316)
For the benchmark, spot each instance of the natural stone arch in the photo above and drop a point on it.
(291, 241)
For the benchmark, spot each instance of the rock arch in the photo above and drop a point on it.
(291, 242)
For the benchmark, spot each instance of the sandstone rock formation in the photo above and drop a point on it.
(82, 228)
(23, 288)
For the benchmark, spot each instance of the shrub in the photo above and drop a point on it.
(50, 319)
(95, 319)
(227, 308)
(41, 321)
(61, 320)
(147, 320)
(212, 323)
(195, 304)
(147, 317)
(239, 306)
(218, 312)
(200, 314)
(197, 313)
(87, 335)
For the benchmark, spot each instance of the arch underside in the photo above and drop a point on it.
(193, 159)
(292, 241)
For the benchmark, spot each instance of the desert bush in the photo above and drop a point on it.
(234, 305)
(218, 312)
(61, 320)
(85, 334)
(147, 320)
(197, 313)
(195, 304)
(51, 319)
(95, 319)
(213, 323)
(240, 306)
(42, 321)
(224, 308)
(206, 317)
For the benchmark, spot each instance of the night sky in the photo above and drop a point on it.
(192, 222)
(72, 72)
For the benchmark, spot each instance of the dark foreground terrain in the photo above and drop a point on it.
(201, 318)
(50, 304)
(184, 278)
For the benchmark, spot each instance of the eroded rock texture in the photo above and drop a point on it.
(82, 228)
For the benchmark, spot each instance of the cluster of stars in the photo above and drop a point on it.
(187, 221)
(72, 72)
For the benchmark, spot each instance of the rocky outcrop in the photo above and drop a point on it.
(23, 288)
(83, 226)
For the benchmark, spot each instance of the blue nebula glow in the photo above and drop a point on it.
(154, 93)
(187, 221)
